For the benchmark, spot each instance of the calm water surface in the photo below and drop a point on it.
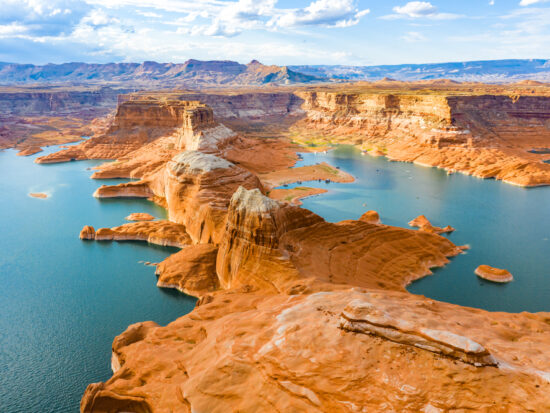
(506, 226)
(62, 300)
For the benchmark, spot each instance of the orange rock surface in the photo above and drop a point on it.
(296, 313)
(322, 171)
(294, 195)
(88, 232)
(494, 274)
(38, 195)
(31, 150)
(487, 136)
(139, 216)
(370, 217)
(250, 352)
(164, 233)
(425, 225)
(191, 270)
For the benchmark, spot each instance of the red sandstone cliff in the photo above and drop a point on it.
(486, 136)
(285, 337)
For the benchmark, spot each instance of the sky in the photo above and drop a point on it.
(283, 32)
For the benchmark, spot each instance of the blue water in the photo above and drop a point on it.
(63, 300)
(506, 226)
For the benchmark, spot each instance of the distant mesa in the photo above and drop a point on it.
(497, 275)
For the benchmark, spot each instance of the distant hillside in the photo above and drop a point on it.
(189, 74)
(490, 71)
(216, 73)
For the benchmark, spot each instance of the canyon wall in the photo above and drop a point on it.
(141, 122)
(34, 117)
(488, 136)
(296, 313)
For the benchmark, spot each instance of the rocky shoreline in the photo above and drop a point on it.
(294, 313)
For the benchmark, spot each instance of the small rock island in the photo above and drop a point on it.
(494, 274)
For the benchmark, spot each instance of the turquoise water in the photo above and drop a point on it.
(63, 300)
(506, 226)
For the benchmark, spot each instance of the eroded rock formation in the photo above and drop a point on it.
(286, 297)
(164, 233)
(250, 352)
(423, 224)
(487, 136)
(191, 270)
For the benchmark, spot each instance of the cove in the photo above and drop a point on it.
(506, 226)
(62, 300)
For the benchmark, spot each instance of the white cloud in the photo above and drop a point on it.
(420, 9)
(491, 2)
(12, 29)
(413, 37)
(416, 9)
(42, 17)
(327, 13)
(98, 18)
(235, 17)
(529, 2)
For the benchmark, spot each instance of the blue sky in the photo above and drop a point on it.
(350, 32)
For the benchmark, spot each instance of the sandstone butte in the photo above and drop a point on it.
(294, 313)
(494, 274)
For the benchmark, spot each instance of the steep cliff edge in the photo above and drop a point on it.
(250, 352)
(139, 123)
(31, 117)
(487, 136)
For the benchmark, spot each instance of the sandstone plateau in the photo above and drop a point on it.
(296, 313)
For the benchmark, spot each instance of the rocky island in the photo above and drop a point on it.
(494, 274)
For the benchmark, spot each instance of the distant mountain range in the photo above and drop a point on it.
(490, 71)
(197, 73)
(193, 73)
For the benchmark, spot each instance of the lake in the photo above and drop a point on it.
(506, 226)
(63, 300)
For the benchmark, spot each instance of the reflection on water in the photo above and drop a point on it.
(63, 300)
(505, 225)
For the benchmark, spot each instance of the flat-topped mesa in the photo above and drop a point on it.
(249, 251)
(138, 122)
(198, 189)
(487, 136)
(151, 113)
(364, 317)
